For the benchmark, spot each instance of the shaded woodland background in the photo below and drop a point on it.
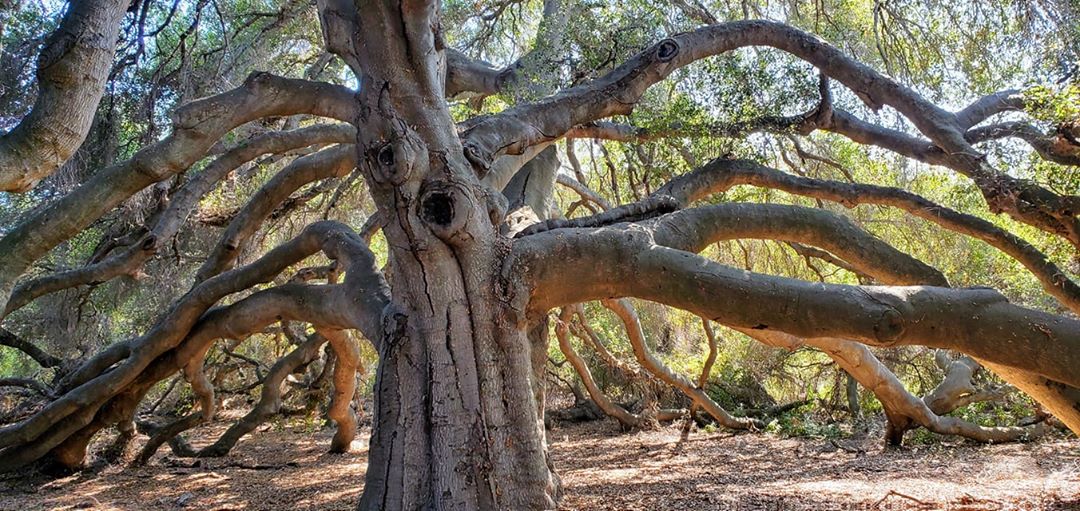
(172, 52)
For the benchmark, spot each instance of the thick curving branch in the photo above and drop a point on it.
(624, 261)
(720, 175)
(336, 161)
(196, 128)
(112, 372)
(694, 229)
(345, 368)
(956, 389)
(989, 106)
(71, 73)
(515, 129)
(168, 222)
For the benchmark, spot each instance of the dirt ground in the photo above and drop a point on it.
(603, 469)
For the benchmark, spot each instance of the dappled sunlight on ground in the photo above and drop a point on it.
(655, 470)
(601, 468)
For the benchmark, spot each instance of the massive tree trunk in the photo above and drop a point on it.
(457, 422)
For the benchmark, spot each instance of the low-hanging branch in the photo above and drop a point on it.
(139, 363)
(627, 261)
(168, 222)
(901, 407)
(269, 404)
(626, 313)
(720, 175)
(197, 127)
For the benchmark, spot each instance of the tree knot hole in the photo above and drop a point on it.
(667, 50)
(890, 327)
(385, 155)
(438, 208)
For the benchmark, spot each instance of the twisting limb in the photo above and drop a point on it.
(583, 331)
(720, 175)
(197, 127)
(805, 123)
(901, 407)
(168, 222)
(71, 74)
(710, 359)
(515, 129)
(1051, 147)
(345, 368)
(956, 389)
(26, 383)
(626, 313)
(40, 356)
(91, 389)
(597, 395)
(195, 373)
(333, 162)
(971, 320)
(68, 446)
(168, 433)
(269, 398)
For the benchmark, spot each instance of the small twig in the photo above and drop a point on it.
(901, 495)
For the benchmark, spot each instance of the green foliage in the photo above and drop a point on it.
(1053, 104)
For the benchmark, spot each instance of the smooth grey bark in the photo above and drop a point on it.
(71, 73)
(976, 321)
(196, 128)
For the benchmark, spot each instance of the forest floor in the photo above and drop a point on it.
(603, 469)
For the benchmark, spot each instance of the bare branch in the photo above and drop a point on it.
(626, 261)
(43, 358)
(989, 106)
(168, 222)
(336, 161)
(92, 388)
(606, 405)
(197, 126)
(626, 313)
(720, 175)
(1052, 147)
(269, 398)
